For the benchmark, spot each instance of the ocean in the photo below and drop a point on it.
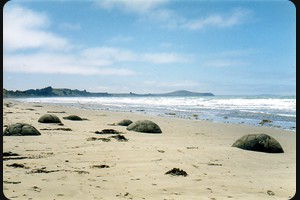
(280, 110)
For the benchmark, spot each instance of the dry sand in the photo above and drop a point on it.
(136, 169)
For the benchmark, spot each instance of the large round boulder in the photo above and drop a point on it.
(49, 118)
(144, 126)
(124, 122)
(20, 129)
(259, 142)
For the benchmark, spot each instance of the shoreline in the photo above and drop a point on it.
(170, 114)
(137, 168)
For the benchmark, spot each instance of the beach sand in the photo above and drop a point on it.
(60, 164)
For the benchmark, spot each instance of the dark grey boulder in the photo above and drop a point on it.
(124, 122)
(259, 142)
(73, 117)
(49, 118)
(144, 126)
(20, 129)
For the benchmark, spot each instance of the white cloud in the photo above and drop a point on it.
(109, 53)
(165, 58)
(51, 63)
(164, 17)
(113, 55)
(153, 11)
(136, 6)
(26, 29)
(90, 61)
(218, 20)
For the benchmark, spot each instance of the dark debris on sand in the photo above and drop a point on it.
(42, 170)
(9, 153)
(17, 165)
(94, 138)
(81, 172)
(12, 182)
(100, 166)
(120, 138)
(107, 131)
(14, 156)
(176, 172)
(56, 129)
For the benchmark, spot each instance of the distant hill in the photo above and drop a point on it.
(186, 93)
(64, 92)
(50, 92)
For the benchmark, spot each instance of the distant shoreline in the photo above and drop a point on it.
(232, 110)
(64, 92)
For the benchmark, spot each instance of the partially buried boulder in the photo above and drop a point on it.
(125, 122)
(49, 118)
(73, 117)
(20, 129)
(144, 126)
(259, 142)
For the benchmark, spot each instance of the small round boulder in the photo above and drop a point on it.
(144, 126)
(20, 129)
(124, 122)
(73, 118)
(259, 142)
(49, 118)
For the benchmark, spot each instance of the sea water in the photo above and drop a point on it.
(281, 110)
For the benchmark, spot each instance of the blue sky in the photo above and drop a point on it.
(151, 46)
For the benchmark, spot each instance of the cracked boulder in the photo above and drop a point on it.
(49, 118)
(144, 126)
(20, 129)
(259, 142)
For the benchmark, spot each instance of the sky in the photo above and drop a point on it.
(151, 46)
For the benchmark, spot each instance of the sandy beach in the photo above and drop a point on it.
(76, 164)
